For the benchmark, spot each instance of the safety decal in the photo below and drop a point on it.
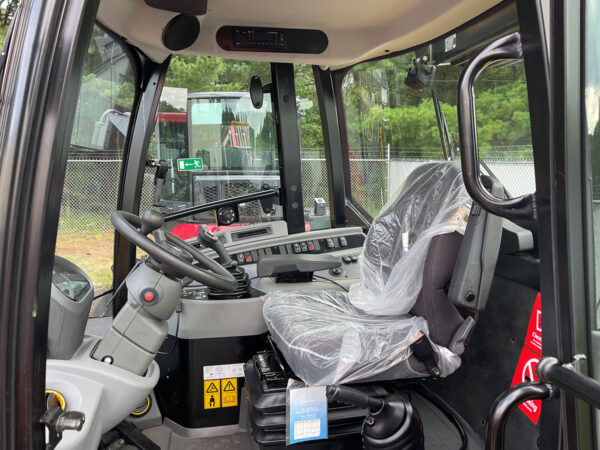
(212, 394)
(223, 371)
(229, 395)
(531, 353)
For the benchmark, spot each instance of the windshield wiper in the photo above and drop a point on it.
(447, 142)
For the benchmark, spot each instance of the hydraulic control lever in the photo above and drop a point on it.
(209, 240)
(392, 421)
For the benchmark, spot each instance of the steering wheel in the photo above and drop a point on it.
(136, 230)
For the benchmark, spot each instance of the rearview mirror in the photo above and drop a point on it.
(256, 91)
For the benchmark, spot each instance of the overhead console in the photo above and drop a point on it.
(278, 40)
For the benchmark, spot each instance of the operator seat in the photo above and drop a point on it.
(426, 271)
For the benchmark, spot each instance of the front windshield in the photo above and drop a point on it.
(217, 145)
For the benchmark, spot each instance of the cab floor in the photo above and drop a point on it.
(167, 440)
(440, 434)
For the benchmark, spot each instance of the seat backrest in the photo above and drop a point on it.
(431, 226)
(432, 201)
(426, 199)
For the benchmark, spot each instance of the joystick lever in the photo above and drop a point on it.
(209, 240)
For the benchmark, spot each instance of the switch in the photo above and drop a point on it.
(330, 243)
(311, 247)
(304, 247)
(297, 248)
(343, 241)
(240, 258)
(347, 259)
(248, 257)
(354, 258)
(336, 271)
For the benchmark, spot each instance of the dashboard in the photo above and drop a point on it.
(202, 317)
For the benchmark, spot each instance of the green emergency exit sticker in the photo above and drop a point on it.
(189, 164)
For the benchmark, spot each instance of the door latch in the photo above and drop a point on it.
(58, 421)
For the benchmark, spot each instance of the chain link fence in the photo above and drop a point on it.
(91, 185)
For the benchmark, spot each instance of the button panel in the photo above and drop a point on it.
(324, 245)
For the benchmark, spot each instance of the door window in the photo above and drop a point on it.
(396, 121)
(106, 96)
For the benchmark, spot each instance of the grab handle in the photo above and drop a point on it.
(523, 207)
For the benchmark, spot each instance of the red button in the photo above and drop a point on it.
(248, 258)
(148, 296)
(311, 247)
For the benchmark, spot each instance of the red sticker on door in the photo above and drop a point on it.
(531, 354)
(534, 332)
(525, 372)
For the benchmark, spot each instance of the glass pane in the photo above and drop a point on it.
(7, 12)
(503, 127)
(396, 122)
(592, 110)
(85, 233)
(216, 143)
(315, 185)
(393, 128)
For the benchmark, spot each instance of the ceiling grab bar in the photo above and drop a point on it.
(523, 207)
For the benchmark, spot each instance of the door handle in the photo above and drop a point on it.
(553, 376)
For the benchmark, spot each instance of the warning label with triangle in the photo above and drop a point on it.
(229, 395)
(212, 394)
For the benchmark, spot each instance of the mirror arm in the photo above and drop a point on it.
(523, 207)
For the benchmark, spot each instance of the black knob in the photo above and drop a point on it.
(209, 240)
(151, 220)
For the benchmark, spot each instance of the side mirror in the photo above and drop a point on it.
(256, 91)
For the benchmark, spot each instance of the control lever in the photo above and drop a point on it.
(209, 240)
(151, 220)
(58, 421)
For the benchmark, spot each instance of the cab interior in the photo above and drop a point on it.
(291, 212)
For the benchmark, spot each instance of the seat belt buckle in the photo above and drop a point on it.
(422, 349)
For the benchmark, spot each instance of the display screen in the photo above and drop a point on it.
(68, 280)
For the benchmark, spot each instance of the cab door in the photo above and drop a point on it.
(48, 42)
(558, 40)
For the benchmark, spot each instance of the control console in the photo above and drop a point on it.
(314, 246)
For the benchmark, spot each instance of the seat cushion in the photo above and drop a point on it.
(326, 340)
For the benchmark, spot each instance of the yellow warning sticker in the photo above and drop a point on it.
(229, 392)
(212, 394)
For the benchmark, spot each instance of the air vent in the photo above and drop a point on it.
(247, 234)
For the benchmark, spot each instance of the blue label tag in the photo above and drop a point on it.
(307, 414)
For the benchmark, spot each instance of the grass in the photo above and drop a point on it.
(93, 252)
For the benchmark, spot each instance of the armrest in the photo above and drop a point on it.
(303, 263)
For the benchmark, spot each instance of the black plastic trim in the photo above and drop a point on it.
(288, 134)
(333, 145)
